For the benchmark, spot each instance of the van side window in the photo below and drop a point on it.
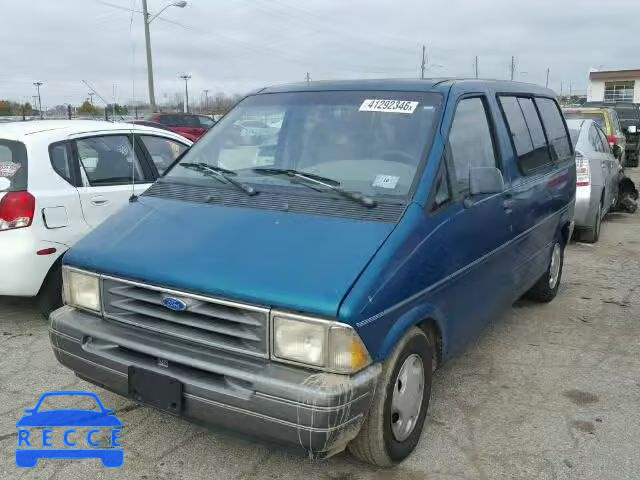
(555, 128)
(526, 131)
(470, 140)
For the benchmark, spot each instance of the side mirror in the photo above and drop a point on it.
(617, 151)
(5, 183)
(483, 180)
(632, 129)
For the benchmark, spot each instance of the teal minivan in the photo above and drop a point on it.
(301, 280)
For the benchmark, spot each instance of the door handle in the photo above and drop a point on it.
(508, 204)
(99, 201)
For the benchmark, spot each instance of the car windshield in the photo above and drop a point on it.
(596, 117)
(368, 142)
(13, 164)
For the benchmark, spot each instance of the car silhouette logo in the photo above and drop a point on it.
(174, 304)
(27, 457)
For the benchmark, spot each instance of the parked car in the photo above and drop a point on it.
(607, 119)
(188, 125)
(58, 180)
(309, 299)
(597, 175)
(629, 115)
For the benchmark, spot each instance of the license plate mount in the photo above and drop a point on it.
(155, 389)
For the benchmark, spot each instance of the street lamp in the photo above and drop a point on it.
(147, 18)
(186, 77)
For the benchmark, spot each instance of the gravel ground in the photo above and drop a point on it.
(546, 392)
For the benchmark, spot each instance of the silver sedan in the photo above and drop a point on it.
(598, 174)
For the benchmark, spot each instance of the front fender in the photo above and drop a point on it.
(383, 334)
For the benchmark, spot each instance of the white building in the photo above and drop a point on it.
(614, 86)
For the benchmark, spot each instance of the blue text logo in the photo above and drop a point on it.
(69, 433)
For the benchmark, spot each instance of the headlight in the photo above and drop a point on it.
(319, 343)
(81, 289)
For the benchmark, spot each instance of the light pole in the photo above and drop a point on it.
(206, 100)
(38, 85)
(186, 77)
(147, 19)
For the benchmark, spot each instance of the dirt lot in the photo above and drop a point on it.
(547, 392)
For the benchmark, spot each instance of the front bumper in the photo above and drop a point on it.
(321, 412)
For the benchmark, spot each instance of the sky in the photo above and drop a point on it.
(235, 46)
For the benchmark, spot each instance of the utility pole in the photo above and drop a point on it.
(206, 100)
(513, 66)
(547, 84)
(38, 85)
(91, 98)
(147, 38)
(307, 77)
(476, 66)
(186, 77)
(423, 65)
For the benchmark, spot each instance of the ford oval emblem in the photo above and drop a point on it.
(174, 304)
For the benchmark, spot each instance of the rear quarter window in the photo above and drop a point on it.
(13, 164)
(527, 134)
(554, 126)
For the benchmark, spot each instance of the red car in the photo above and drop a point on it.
(187, 125)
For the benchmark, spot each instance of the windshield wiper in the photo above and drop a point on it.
(329, 183)
(220, 174)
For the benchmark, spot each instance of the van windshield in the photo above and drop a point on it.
(13, 164)
(369, 142)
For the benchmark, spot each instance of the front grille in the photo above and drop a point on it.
(214, 323)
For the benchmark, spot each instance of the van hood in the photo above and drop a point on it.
(272, 258)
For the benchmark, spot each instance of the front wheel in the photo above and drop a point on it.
(50, 295)
(399, 405)
(546, 288)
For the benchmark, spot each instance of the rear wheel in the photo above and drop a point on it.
(50, 295)
(399, 405)
(546, 288)
(592, 234)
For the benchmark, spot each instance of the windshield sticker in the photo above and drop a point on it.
(388, 106)
(8, 169)
(386, 181)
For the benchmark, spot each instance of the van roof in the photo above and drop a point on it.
(410, 85)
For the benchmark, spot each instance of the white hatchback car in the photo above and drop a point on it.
(58, 180)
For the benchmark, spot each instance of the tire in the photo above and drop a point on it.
(544, 289)
(50, 295)
(592, 234)
(377, 442)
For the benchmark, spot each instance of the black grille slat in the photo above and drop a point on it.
(217, 324)
(299, 203)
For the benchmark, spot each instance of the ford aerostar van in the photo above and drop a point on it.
(302, 282)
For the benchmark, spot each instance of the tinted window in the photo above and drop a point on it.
(163, 151)
(13, 164)
(109, 160)
(603, 141)
(555, 128)
(470, 142)
(594, 140)
(526, 131)
(61, 161)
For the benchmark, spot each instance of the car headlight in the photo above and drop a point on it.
(327, 345)
(81, 289)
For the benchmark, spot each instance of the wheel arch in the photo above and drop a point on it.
(425, 317)
(57, 263)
